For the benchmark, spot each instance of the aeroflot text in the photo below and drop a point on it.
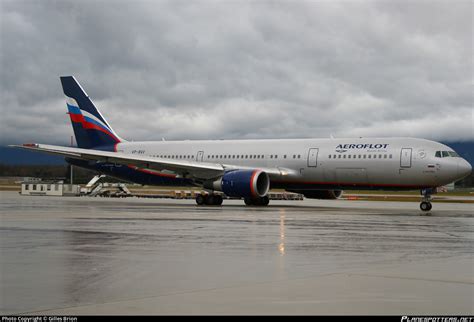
(362, 146)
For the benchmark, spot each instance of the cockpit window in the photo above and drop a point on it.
(446, 154)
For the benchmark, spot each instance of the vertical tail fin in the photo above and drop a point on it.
(90, 127)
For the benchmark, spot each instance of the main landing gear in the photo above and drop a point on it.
(211, 199)
(425, 204)
(216, 200)
(261, 201)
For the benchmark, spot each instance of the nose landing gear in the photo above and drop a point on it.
(425, 204)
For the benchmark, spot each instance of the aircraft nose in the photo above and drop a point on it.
(464, 168)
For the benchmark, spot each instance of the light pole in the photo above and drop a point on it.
(72, 141)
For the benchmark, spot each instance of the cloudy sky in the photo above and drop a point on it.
(240, 69)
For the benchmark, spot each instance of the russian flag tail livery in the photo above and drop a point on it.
(90, 128)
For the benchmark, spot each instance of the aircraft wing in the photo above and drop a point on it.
(185, 169)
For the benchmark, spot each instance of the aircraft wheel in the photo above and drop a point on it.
(425, 206)
(209, 200)
(218, 200)
(200, 200)
(264, 201)
(248, 201)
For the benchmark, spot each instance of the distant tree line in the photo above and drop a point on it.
(467, 182)
(48, 172)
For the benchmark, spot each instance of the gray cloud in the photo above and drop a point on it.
(210, 69)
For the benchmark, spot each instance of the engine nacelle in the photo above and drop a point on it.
(243, 183)
(320, 194)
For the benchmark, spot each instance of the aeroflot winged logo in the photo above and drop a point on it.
(368, 146)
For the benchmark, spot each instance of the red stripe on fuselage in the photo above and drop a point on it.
(320, 183)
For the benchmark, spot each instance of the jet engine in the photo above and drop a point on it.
(243, 184)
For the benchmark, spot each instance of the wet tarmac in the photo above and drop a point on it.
(79, 255)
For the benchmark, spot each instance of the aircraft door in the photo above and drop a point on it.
(313, 157)
(405, 158)
(199, 156)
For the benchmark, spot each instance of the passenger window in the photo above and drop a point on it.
(294, 156)
(390, 156)
(329, 156)
(384, 156)
(271, 156)
(369, 156)
(299, 156)
(360, 156)
(349, 156)
(344, 156)
(339, 156)
(284, 157)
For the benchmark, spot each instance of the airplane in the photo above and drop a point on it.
(248, 169)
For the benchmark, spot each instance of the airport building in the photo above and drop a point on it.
(49, 188)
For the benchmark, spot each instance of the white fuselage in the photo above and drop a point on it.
(362, 162)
